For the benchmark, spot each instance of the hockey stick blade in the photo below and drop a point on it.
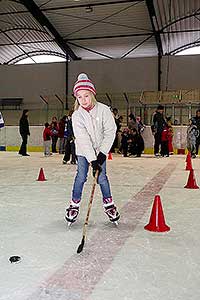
(80, 247)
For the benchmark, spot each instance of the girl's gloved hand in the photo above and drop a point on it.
(101, 157)
(95, 166)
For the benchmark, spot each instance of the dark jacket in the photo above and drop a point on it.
(68, 133)
(24, 126)
(158, 123)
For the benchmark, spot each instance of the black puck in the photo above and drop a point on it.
(15, 259)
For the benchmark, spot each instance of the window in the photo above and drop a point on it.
(38, 59)
(190, 51)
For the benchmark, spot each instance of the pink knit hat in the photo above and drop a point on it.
(83, 83)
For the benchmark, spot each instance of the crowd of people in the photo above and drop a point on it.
(88, 133)
(58, 136)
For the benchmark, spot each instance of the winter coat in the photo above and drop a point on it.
(54, 128)
(68, 132)
(61, 128)
(165, 134)
(24, 126)
(94, 131)
(158, 123)
(192, 134)
(47, 134)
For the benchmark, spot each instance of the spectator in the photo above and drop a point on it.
(124, 142)
(157, 128)
(69, 141)
(197, 123)
(192, 134)
(1, 121)
(47, 139)
(140, 126)
(136, 143)
(170, 135)
(54, 130)
(24, 132)
(165, 142)
(132, 121)
(118, 121)
(61, 129)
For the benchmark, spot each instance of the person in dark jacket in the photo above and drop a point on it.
(157, 128)
(24, 132)
(69, 141)
(136, 143)
(196, 121)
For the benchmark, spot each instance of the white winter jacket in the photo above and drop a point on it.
(94, 131)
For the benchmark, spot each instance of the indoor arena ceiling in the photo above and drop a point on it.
(94, 29)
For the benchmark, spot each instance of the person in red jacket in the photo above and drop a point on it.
(171, 134)
(47, 139)
(61, 129)
(165, 142)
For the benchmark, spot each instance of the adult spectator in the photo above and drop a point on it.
(61, 129)
(118, 121)
(196, 121)
(157, 128)
(24, 132)
(54, 130)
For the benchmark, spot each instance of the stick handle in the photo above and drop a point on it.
(90, 202)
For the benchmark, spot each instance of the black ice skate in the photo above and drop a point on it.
(72, 213)
(112, 213)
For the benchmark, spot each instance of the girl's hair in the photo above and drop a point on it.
(93, 101)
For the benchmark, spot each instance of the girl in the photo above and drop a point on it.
(94, 130)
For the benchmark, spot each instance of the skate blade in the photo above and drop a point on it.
(69, 224)
(116, 223)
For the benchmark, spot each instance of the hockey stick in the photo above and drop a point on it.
(80, 247)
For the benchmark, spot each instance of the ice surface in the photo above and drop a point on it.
(121, 263)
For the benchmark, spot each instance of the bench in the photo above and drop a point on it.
(14, 102)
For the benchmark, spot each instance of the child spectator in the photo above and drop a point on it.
(140, 125)
(165, 142)
(47, 139)
(170, 135)
(124, 142)
(136, 143)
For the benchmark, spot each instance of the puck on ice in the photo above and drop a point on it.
(15, 259)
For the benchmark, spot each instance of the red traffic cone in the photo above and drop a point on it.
(191, 184)
(188, 162)
(110, 155)
(188, 157)
(41, 176)
(157, 219)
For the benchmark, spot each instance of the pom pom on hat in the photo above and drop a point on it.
(83, 83)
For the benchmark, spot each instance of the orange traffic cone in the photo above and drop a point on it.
(110, 155)
(41, 176)
(191, 184)
(188, 162)
(157, 219)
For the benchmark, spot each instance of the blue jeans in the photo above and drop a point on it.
(81, 178)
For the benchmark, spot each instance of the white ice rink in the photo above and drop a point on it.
(121, 263)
